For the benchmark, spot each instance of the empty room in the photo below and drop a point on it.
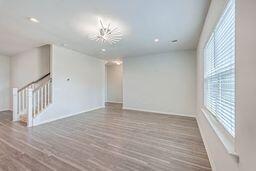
(145, 85)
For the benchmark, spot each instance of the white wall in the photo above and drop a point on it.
(246, 83)
(5, 90)
(84, 92)
(245, 140)
(163, 83)
(114, 86)
(30, 66)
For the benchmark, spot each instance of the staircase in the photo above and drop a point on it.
(32, 99)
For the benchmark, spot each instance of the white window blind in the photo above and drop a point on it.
(219, 70)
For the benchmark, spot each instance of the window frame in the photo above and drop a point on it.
(219, 125)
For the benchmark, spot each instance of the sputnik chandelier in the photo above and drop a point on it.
(106, 34)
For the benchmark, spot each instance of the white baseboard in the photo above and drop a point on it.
(66, 116)
(114, 102)
(3, 110)
(159, 112)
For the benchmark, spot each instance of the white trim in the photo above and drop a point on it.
(159, 112)
(206, 145)
(227, 140)
(114, 102)
(4, 110)
(66, 116)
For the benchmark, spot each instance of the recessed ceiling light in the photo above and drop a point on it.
(118, 62)
(174, 41)
(156, 40)
(33, 20)
(103, 50)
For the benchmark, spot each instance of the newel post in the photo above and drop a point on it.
(15, 116)
(30, 107)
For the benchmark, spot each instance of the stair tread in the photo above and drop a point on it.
(24, 118)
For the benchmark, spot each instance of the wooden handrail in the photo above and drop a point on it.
(34, 82)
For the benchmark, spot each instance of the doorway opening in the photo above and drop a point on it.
(114, 84)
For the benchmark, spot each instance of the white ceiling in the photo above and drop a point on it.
(68, 22)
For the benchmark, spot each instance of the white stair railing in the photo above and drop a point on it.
(29, 107)
(23, 99)
(15, 116)
(31, 100)
(41, 97)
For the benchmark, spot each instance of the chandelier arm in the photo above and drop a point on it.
(111, 31)
(108, 26)
(102, 26)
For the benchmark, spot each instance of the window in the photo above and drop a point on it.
(219, 70)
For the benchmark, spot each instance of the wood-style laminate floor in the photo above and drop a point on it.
(104, 139)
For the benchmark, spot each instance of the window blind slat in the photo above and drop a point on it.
(219, 70)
